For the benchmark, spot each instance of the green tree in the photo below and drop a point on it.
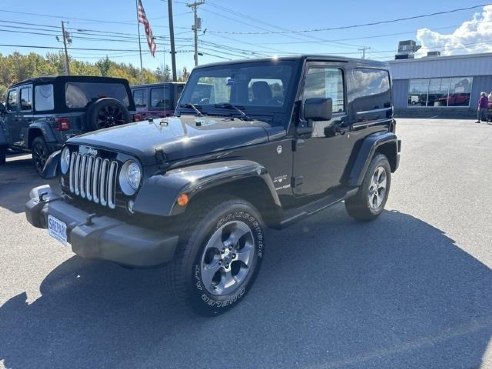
(17, 67)
(104, 66)
(184, 76)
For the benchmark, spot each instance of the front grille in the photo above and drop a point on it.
(93, 178)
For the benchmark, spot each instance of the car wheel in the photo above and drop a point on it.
(107, 112)
(40, 154)
(218, 259)
(369, 202)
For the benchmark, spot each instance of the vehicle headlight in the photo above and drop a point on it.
(65, 160)
(130, 177)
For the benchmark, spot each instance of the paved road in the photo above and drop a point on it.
(410, 290)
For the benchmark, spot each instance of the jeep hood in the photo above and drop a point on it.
(179, 137)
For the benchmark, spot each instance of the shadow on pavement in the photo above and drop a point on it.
(17, 178)
(333, 293)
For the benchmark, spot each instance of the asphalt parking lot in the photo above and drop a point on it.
(411, 290)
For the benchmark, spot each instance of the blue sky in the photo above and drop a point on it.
(237, 29)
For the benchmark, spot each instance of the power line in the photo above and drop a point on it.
(59, 17)
(59, 48)
(302, 35)
(354, 25)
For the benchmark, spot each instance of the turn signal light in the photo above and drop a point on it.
(183, 199)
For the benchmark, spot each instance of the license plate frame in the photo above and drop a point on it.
(57, 229)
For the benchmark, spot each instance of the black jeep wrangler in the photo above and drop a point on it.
(253, 144)
(42, 113)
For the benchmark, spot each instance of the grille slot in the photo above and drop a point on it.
(93, 179)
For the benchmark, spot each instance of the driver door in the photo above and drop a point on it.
(322, 154)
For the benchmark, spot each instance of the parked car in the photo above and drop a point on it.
(40, 114)
(272, 141)
(157, 99)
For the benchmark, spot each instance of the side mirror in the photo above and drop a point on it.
(318, 108)
(2, 108)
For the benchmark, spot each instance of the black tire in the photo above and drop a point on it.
(3, 155)
(107, 112)
(40, 154)
(369, 202)
(218, 257)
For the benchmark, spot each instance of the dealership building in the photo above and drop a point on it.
(440, 86)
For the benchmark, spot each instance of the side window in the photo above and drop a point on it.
(371, 89)
(75, 96)
(370, 82)
(12, 100)
(43, 98)
(140, 97)
(26, 98)
(325, 82)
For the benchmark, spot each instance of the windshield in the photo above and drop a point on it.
(257, 88)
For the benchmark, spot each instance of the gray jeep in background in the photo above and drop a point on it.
(40, 114)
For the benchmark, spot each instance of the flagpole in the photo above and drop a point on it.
(139, 44)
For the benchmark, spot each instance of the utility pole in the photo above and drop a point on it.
(66, 36)
(171, 36)
(197, 25)
(363, 49)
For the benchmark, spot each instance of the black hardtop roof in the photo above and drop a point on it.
(63, 79)
(157, 84)
(310, 57)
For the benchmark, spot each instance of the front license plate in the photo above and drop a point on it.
(57, 229)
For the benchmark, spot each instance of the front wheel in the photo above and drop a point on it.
(218, 262)
(40, 154)
(372, 196)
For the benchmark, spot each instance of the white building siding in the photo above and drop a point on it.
(442, 66)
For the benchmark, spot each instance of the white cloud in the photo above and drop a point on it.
(472, 37)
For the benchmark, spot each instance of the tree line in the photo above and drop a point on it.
(17, 67)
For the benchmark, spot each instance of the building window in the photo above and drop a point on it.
(440, 92)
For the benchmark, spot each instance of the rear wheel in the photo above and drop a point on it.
(372, 196)
(218, 258)
(40, 154)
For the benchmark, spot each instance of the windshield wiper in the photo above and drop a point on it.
(192, 106)
(244, 116)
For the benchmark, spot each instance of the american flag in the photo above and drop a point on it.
(142, 18)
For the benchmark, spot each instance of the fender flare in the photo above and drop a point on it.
(52, 164)
(366, 152)
(43, 127)
(159, 193)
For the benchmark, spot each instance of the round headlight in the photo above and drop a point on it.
(130, 177)
(65, 160)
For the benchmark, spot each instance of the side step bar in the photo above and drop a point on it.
(296, 214)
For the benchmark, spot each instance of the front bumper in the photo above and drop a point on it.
(101, 237)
